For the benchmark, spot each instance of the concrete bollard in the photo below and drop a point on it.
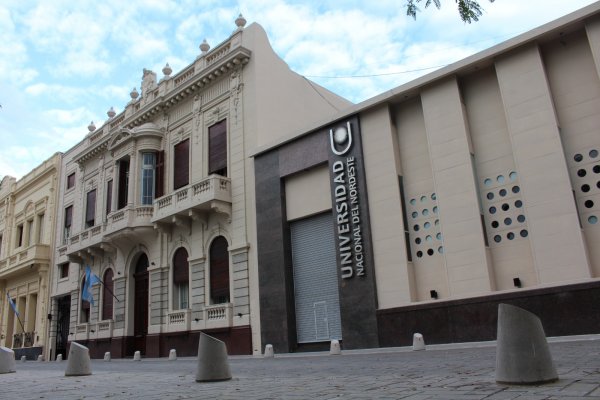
(23, 358)
(522, 353)
(40, 358)
(7, 360)
(269, 353)
(78, 362)
(212, 360)
(59, 358)
(334, 348)
(137, 356)
(107, 356)
(172, 355)
(418, 342)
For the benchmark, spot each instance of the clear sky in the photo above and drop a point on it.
(64, 63)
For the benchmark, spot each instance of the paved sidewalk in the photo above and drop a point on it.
(440, 372)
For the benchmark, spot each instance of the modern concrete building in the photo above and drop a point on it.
(423, 208)
(159, 202)
(27, 220)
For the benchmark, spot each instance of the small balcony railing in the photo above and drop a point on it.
(129, 218)
(82, 331)
(218, 315)
(178, 320)
(212, 193)
(34, 254)
(104, 329)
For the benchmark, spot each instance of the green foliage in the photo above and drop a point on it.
(469, 10)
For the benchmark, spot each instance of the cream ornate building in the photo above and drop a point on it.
(159, 203)
(27, 220)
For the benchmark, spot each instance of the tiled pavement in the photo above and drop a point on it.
(440, 372)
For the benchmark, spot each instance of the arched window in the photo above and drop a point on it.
(219, 271)
(180, 279)
(85, 306)
(107, 295)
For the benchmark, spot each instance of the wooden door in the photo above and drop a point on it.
(62, 325)
(140, 308)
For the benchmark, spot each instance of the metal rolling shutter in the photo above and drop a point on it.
(315, 279)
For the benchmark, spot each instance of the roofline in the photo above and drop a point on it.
(556, 26)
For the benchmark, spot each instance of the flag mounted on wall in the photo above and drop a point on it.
(90, 280)
(12, 304)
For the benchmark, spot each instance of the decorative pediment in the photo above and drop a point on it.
(119, 137)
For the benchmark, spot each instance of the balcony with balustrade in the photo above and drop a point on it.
(212, 194)
(218, 316)
(23, 258)
(128, 221)
(179, 320)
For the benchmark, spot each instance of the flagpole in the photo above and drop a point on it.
(110, 291)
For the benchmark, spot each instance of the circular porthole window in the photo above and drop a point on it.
(427, 225)
(594, 153)
(495, 224)
(492, 210)
(415, 214)
(435, 210)
(500, 178)
(423, 199)
(510, 236)
(588, 204)
(425, 212)
(419, 254)
(487, 182)
(581, 173)
(437, 222)
(418, 240)
(585, 188)
(441, 249)
(524, 233)
(502, 192)
(507, 221)
(438, 236)
(429, 238)
(433, 196)
(413, 202)
(490, 196)
(516, 189)
(521, 218)
(578, 157)
(518, 204)
(430, 252)
(505, 207)
(512, 176)
(592, 219)
(497, 238)
(596, 169)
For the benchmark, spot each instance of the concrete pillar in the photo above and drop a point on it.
(212, 360)
(334, 348)
(269, 353)
(7, 360)
(137, 356)
(172, 355)
(522, 353)
(418, 342)
(78, 362)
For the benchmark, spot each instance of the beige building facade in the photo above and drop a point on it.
(430, 204)
(159, 202)
(27, 218)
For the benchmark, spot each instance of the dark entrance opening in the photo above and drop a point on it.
(140, 307)
(63, 316)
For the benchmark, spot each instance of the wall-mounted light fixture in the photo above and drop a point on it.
(517, 282)
(433, 294)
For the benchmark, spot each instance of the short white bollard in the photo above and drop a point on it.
(418, 342)
(23, 358)
(212, 360)
(59, 358)
(7, 360)
(78, 362)
(172, 355)
(269, 353)
(137, 356)
(107, 356)
(335, 349)
(40, 358)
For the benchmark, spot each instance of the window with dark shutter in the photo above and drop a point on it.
(123, 184)
(107, 295)
(85, 307)
(159, 188)
(109, 197)
(181, 164)
(71, 180)
(90, 210)
(180, 266)
(68, 222)
(217, 148)
(219, 271)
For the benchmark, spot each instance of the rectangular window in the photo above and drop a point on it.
(181, 164)
(0, 246)
(40, 228)
(181, 296)
(19, 238)
(217, 148)
(71, 180)
(29, 233)
(108, 197)
(148, 177)
(405, 219)
(63, 271)
(90, 209)
(123, 183)
(159, 189)
(68, 222)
